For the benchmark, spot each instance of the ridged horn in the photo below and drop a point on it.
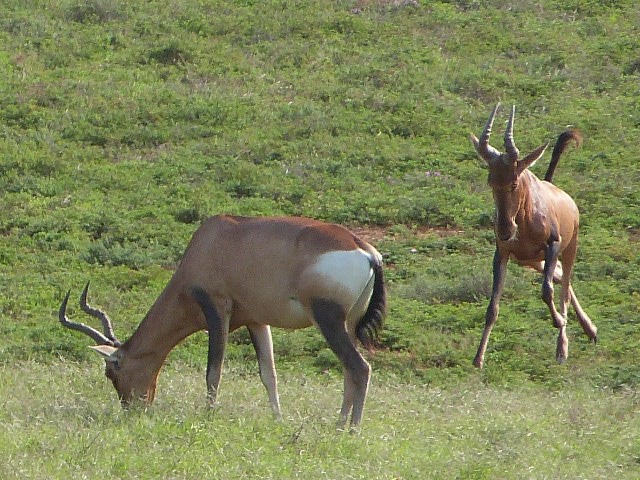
(486, 151)
(108, 338)
(509, 144)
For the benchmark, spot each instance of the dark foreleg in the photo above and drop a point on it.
(218, 326)
(499, 271)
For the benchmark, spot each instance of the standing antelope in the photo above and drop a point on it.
(536, 223)
(256, 272)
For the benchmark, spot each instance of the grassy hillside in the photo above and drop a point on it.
(124, 123)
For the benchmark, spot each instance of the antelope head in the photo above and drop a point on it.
(131, 379)
(505, 174)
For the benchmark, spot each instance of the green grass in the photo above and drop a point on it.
(413, 431)
(124, 123)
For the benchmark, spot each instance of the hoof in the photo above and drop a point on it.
(562, 353)
(351, 429)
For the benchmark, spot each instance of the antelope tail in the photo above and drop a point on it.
(560, 147)
(371, 323)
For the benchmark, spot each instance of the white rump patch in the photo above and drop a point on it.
(349, 269)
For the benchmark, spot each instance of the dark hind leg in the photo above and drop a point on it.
(568, 258)
(559, 318)
(330, 318)
(587, 325)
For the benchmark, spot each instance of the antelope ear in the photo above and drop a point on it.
(107, 351)
(474, 141)
(486, 152)
(532, 158)
(476, 145)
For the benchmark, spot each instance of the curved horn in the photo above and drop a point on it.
(509, 144)
(99, 314)
(486, 151)
(99, 338)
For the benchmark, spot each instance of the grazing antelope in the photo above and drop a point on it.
(284, 272)
(536, 223)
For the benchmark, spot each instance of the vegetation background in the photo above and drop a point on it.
(124, 123)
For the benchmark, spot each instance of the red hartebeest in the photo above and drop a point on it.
(536, 224)
(284, 272)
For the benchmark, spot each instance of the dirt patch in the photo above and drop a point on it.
(371, 234)
(376, 233)
(634, 234)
